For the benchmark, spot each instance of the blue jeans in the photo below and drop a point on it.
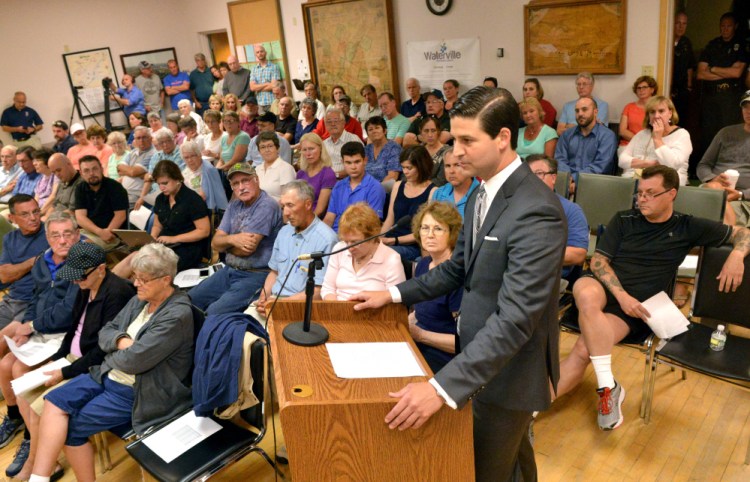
(227, 291)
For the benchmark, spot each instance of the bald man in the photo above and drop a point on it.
(69, 179)
(22, 122)
(237, 80)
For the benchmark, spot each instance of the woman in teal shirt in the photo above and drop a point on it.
(537, 137)
(234, 144)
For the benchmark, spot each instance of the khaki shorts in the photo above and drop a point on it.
(742, 210)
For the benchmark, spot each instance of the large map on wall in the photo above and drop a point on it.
(351, 44)
(85, 73)
(575, 36)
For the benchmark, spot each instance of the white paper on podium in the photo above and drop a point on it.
(33, 352)
(36, 378)
(666, 321)
(373, 360)
(180, 436)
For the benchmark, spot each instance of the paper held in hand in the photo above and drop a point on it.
(36, 378)
(666, 321)
(34, 352)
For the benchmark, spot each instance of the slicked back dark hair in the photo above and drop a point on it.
(494, 108)
(670, 178)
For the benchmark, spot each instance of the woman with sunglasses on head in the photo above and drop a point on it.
(101, 296)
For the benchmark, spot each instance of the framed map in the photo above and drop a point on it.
(351, 43)
(86, 69)
(567, 37)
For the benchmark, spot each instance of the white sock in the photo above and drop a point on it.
(603, 369)
(38, 478)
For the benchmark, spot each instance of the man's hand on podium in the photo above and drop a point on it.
(418, 402)
(372, 299)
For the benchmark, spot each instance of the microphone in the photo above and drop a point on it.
(403, 222)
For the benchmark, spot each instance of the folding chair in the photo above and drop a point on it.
(690, 350)
(221, 449)
(562, 183)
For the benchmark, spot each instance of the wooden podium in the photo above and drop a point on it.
(334, 428)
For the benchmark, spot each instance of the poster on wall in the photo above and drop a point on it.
(435, 61)
(86, 70)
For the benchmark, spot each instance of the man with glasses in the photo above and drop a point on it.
(637, 257)
(545, 168)
(9, 172)
(585, 88)
(335, 122)
(101, 204)
(135, 166)
(26, 181)
(267, 123)
(246, 234)
(49, 312)
(435, 108)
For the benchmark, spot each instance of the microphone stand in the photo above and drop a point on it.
(305, 332)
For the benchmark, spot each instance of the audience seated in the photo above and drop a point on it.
(203, 178)
(188, 127)
(249, 117)
(577, 245)
(63, 140)
(134, 120)
(234, 145)
(246, 234)
(382, 154)
(154, 121)
(490, 82)
(116, 140)
(414, 107)
(306, 122)
(212, 140)
(397, 124)
(215, 102)
(410, 194)
(315, 169)
(101, 204)
(303, 233)
(47, 316)
(279, 92)
(536, 137)
(144, 378)
(82, 147)
(450, 89)
(132, 170)
(661, 141)
(636, 258)
(98, 138)
(588, 147)
(311, 92)
(369, 107)
(46, 187)
(101, 296)
(459, 186)
(273, 172)
(167, 148)
(337, 92)
(335, 121)
(267, 123)
(357, 186)
(351, 124)
(26, 181)
(431, 137)
(585, 88)
(9, 172)
(173, 125)
(533, 89)
(370, 266)
(69, 178)
(231, 104)
(729, 150)
(435, 109)
(634, 113)
(434, 324)
(286, 122)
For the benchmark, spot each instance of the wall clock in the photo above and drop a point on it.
(439, 7)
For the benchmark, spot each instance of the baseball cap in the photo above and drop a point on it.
(433, 93)
(144, 64)
(76, 127)
(82, 257)
(745, 97)
(267, 117)
(60, 125)
(243, 167)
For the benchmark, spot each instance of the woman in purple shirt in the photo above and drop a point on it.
(316, 170)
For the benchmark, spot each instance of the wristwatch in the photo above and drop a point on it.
(742, 195)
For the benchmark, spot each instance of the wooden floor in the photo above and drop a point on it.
(699, 431)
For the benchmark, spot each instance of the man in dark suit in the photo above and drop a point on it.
(510, 271)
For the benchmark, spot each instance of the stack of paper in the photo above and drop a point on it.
(666, 320)
(33, 352)
(373, 360)
(180, 436)
(191, 277)
(36, 378)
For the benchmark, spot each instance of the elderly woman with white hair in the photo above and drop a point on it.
(143, 380)
(164, 141)
(186, 110)
(202, 177)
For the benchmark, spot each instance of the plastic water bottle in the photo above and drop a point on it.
(718, 338)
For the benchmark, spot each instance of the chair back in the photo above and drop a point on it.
(255, 415)
(562, 184)
(5, 228)
(601, 197)
(709, 302)
(701, 202)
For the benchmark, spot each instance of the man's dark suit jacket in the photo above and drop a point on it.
(508, 329)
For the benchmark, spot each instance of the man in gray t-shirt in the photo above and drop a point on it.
(136, 164)
(151, 86)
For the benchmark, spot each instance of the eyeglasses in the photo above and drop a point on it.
(648, 196)
(435, 230)
(541, 174)
(267, 147)
(67, 235)
(642, 87)
(243, 182)
(144, 282)
(85, 276)
(29, 214)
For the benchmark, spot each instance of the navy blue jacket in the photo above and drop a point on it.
(51, 308)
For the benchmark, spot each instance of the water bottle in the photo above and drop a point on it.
(718, 338)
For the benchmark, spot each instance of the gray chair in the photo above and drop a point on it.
(562, 184)
(690, 351)
(701, 202)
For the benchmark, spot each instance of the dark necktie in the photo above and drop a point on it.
(479, 209)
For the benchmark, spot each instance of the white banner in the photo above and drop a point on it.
(433, 62)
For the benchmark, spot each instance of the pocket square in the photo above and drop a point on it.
(491, 238)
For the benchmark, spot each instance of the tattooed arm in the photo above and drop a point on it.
(734, 267)
(606, 275)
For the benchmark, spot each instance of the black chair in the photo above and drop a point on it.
(221, 449)
(690, 350)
